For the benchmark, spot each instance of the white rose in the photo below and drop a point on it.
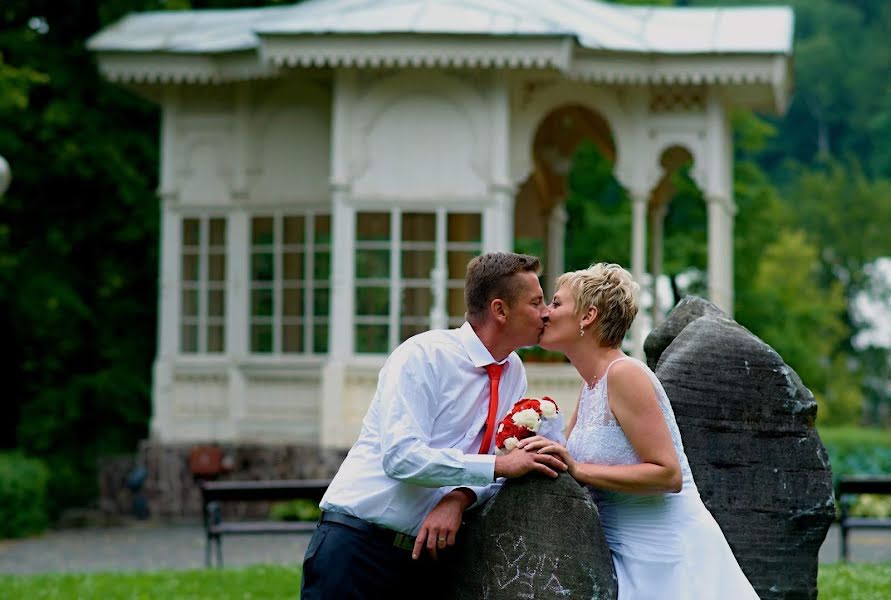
(548, 409)
(527, 418)
(510, 443)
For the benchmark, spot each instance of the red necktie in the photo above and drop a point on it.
(494, 371)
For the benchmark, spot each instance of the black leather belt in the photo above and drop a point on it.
(388, 536)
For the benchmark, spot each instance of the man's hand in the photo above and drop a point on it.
(440, 527)
(519, 462)
(543, 445)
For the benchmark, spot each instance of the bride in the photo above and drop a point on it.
(624, 444)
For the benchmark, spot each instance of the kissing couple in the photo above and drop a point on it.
(425, 453)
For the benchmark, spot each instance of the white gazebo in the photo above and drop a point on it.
(328, 169)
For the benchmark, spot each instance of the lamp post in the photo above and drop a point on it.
(5, 175)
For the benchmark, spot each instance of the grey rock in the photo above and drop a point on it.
(687, 310)
(537, 538)
(747, 423)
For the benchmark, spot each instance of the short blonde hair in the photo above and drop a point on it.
(610, 289)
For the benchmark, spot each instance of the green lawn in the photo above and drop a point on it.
(836, 582)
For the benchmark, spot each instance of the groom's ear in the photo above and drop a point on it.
(499, 310)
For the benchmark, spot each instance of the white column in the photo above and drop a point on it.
(168, 320)
(169, 276)
(638, 262)
(237, 315)
(439, 317)
(343, 233)
(718, 191)
(498, 219)
(556, 247)
(720, 253)
(657, 227)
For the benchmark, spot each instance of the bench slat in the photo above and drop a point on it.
(866, 522)
(286, 489)
(246, 527)
(864, 485)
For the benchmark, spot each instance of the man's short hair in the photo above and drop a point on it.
(491, 276)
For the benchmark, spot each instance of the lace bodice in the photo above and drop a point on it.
(599, 439)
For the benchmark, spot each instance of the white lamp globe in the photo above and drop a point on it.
(5, 175)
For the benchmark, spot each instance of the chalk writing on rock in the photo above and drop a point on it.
(526, 573)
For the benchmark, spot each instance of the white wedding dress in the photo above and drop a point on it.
(664, 546)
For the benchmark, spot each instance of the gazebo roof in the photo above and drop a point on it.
(748, 47)
(594, 25)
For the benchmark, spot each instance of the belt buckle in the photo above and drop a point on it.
(404, 542)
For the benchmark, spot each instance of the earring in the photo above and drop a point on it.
(581, 330)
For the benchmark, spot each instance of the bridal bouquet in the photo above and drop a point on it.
(523, 421)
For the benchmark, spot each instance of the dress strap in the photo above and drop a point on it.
(612, 363)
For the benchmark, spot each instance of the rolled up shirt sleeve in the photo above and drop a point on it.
(407, 401)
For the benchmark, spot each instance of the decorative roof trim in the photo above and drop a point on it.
(677, 70)
(443, 51)
(157, 68)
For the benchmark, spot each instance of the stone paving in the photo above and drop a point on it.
(148, 547)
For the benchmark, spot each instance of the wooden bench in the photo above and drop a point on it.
(213, 493)
(848, 489)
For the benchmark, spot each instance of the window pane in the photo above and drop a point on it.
(320, 338)
(190, 267)
(215, 338)
(416, 302)
(218, 232)
(261, 338)
(189, 338)
(293, 266)
(408, 330)
(262, 231)
(457, 263)
(216, 267)
(292, 302)
(322, 267)
(456, 306)
(261, 303)
(373, 226)
(417, 264)
(216, 303)
(419, 227)
(294, 229)
(372, 301)
(323, 229)
(372, 263)
(262, 267)
(191, 231)
(465, 227)
(189, 306)
(371, 338)
(292, 338)
(320, 302)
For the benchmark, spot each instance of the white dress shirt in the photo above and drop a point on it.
(423, 430)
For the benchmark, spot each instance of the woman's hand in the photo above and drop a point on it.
(543, 445)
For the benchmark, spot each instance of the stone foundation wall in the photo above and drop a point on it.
(171, 489)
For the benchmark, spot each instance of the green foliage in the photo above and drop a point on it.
(843, 581)
(23, 483)
(78, 265)
(299, 509)
(264, 581)
(799, 319)
(599, 212)
(857, 450)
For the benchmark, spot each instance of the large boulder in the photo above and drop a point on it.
(537, 538)
(747, 423)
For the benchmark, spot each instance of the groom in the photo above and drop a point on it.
(423, 455)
